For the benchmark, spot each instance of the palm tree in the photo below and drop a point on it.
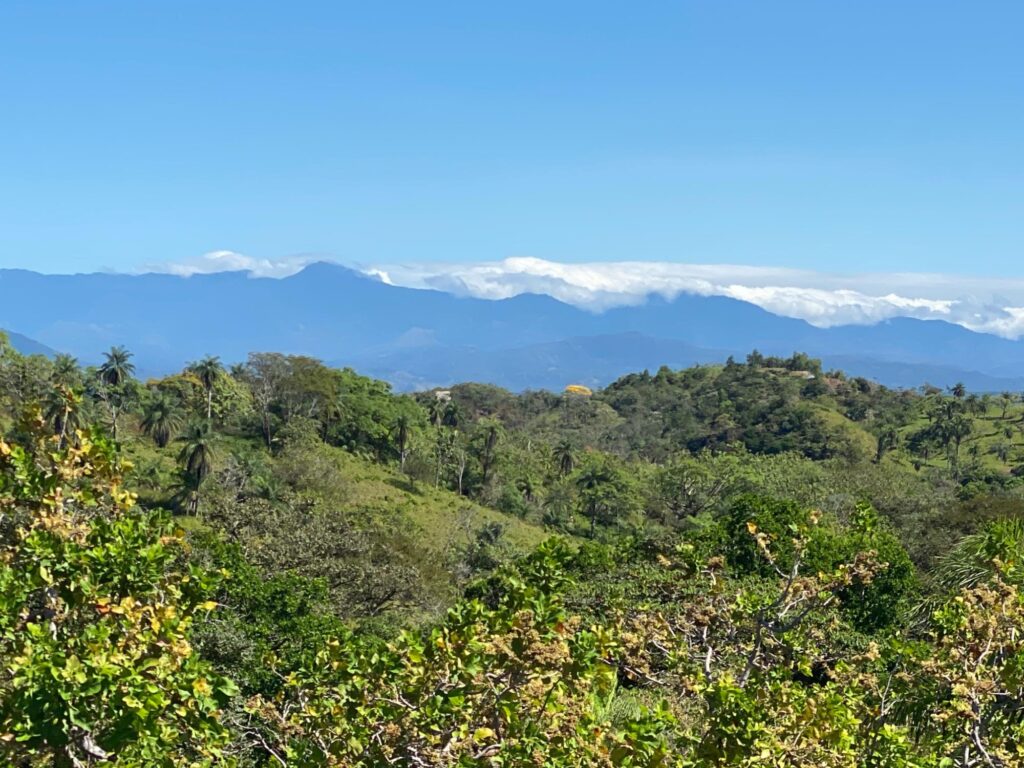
(591, 484)
(565, 457)
(116, 368)
(196, 460)
(435, 410)
(491, 434)
(525, 486)
(331, 412)
(208, 371)
(162, 418)
(403, 433)
(61, 409)
(65, 372)
(115, 372)
(887, 439)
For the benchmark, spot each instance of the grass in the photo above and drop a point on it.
(436, 519)
(989, 431)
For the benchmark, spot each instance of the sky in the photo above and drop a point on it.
(841, 138)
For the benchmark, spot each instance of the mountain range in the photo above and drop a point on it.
(420, 338)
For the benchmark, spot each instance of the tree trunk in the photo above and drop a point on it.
(266, 427)
(63, 428)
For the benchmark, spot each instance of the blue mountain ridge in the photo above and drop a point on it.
(418, 338)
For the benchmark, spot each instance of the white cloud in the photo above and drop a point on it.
(824, 299)
(230, 261)
(989, 305)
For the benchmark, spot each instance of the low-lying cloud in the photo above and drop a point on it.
(824, 299)
(231, 261)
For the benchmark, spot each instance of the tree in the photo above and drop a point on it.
(489, 434)
(594, 483)
(1005, 401)
(265, 373)
(403, 430)
(208, 371)
(955, 430)
(887, 439)
(114, 375)
(950, 425)
(117, 367)
(162, 418)
(436, 410)
(66, 372)
(196, 459)
(688, 486)
(62, 411)
(565, 457)
(1002, 450)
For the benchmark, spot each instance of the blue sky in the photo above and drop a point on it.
(844, 137)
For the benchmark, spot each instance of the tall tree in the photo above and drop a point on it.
(208, 371)
(592, 483)
(62, 411)
(403, 434)
(196, 459)
(565, 457)
(266, 374)
(114, 374)
(487, 447)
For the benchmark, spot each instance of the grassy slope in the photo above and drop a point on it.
(988, 432)
(435, 519)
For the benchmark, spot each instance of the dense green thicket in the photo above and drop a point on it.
(285, 564)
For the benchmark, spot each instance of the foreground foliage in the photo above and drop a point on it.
(95, 619)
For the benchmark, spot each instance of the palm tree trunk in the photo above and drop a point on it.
(63, 428)
(209, 403)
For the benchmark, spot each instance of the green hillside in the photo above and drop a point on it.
(283, 563)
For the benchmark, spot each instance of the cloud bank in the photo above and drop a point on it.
(231, 261)
(824, 299)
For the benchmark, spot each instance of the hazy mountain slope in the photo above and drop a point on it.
(590, 360)
(27, 346)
